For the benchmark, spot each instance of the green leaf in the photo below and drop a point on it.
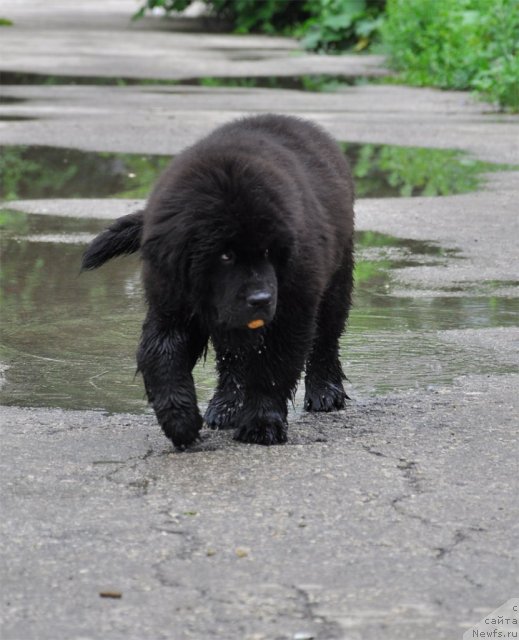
(338, 21)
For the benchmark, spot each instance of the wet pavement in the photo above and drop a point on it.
(380, 171)
(303, 82)
(395, 518)
(164, 119)
(69, 340)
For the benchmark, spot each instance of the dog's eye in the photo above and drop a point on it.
(227, 257)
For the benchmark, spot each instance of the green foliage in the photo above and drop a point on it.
(4, 22)
(268, 16)
(467, 44)
(500, 82)
(340, 24)
(324, 25)
(412, 171)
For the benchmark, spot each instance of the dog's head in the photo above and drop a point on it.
(224, 238)
(243, 286)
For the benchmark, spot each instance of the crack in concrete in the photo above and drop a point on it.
(459, 537)
(409, 471)
(140, 485)
(328, 629)
(465, 576)
(368, 449)
(395, 503)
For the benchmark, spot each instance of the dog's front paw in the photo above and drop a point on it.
(324, 396)
(221, 412)
(180, 427)
(267, 428)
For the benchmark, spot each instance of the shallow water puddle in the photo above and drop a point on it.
(15, 118)
(308, 82)
(312, 82)
(379, 170)
(52, 172)
(69, 340)
(11, 99)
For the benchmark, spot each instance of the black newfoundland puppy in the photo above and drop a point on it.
(247, 241)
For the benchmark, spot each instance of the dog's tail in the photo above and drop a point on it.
(122, 237)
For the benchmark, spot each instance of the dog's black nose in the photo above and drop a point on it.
(259, 299)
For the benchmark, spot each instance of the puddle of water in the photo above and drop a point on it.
(380, 171)
(312, 82)
(51, 172)
(15, 118)
(392, 171)
(23, 78)
(394, 342)
(10, 99)
(69, 341)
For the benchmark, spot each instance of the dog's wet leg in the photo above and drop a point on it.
(228, 397)
(166, 357)
(272, 376)
(324, 390)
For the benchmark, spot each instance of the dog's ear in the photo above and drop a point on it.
(167, 248)
(122, 237)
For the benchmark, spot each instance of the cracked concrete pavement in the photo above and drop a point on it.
(396, 518)
(393, 519)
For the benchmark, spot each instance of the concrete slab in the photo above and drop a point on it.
(389, 518)
(96, 208)
(99, 39)
(164, 120)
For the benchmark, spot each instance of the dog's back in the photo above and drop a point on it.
(325, 167)
(302, 153)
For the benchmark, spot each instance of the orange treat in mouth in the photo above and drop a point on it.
(255, 324)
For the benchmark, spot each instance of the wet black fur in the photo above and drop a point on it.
(122, 237)
(263, 204)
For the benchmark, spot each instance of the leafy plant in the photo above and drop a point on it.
(467, 44)
(341, 24)
(268, 16)
(325, 25)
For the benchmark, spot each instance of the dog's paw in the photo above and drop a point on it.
(221, 413)
(267, 429)
(182, 429)
(324, 396)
